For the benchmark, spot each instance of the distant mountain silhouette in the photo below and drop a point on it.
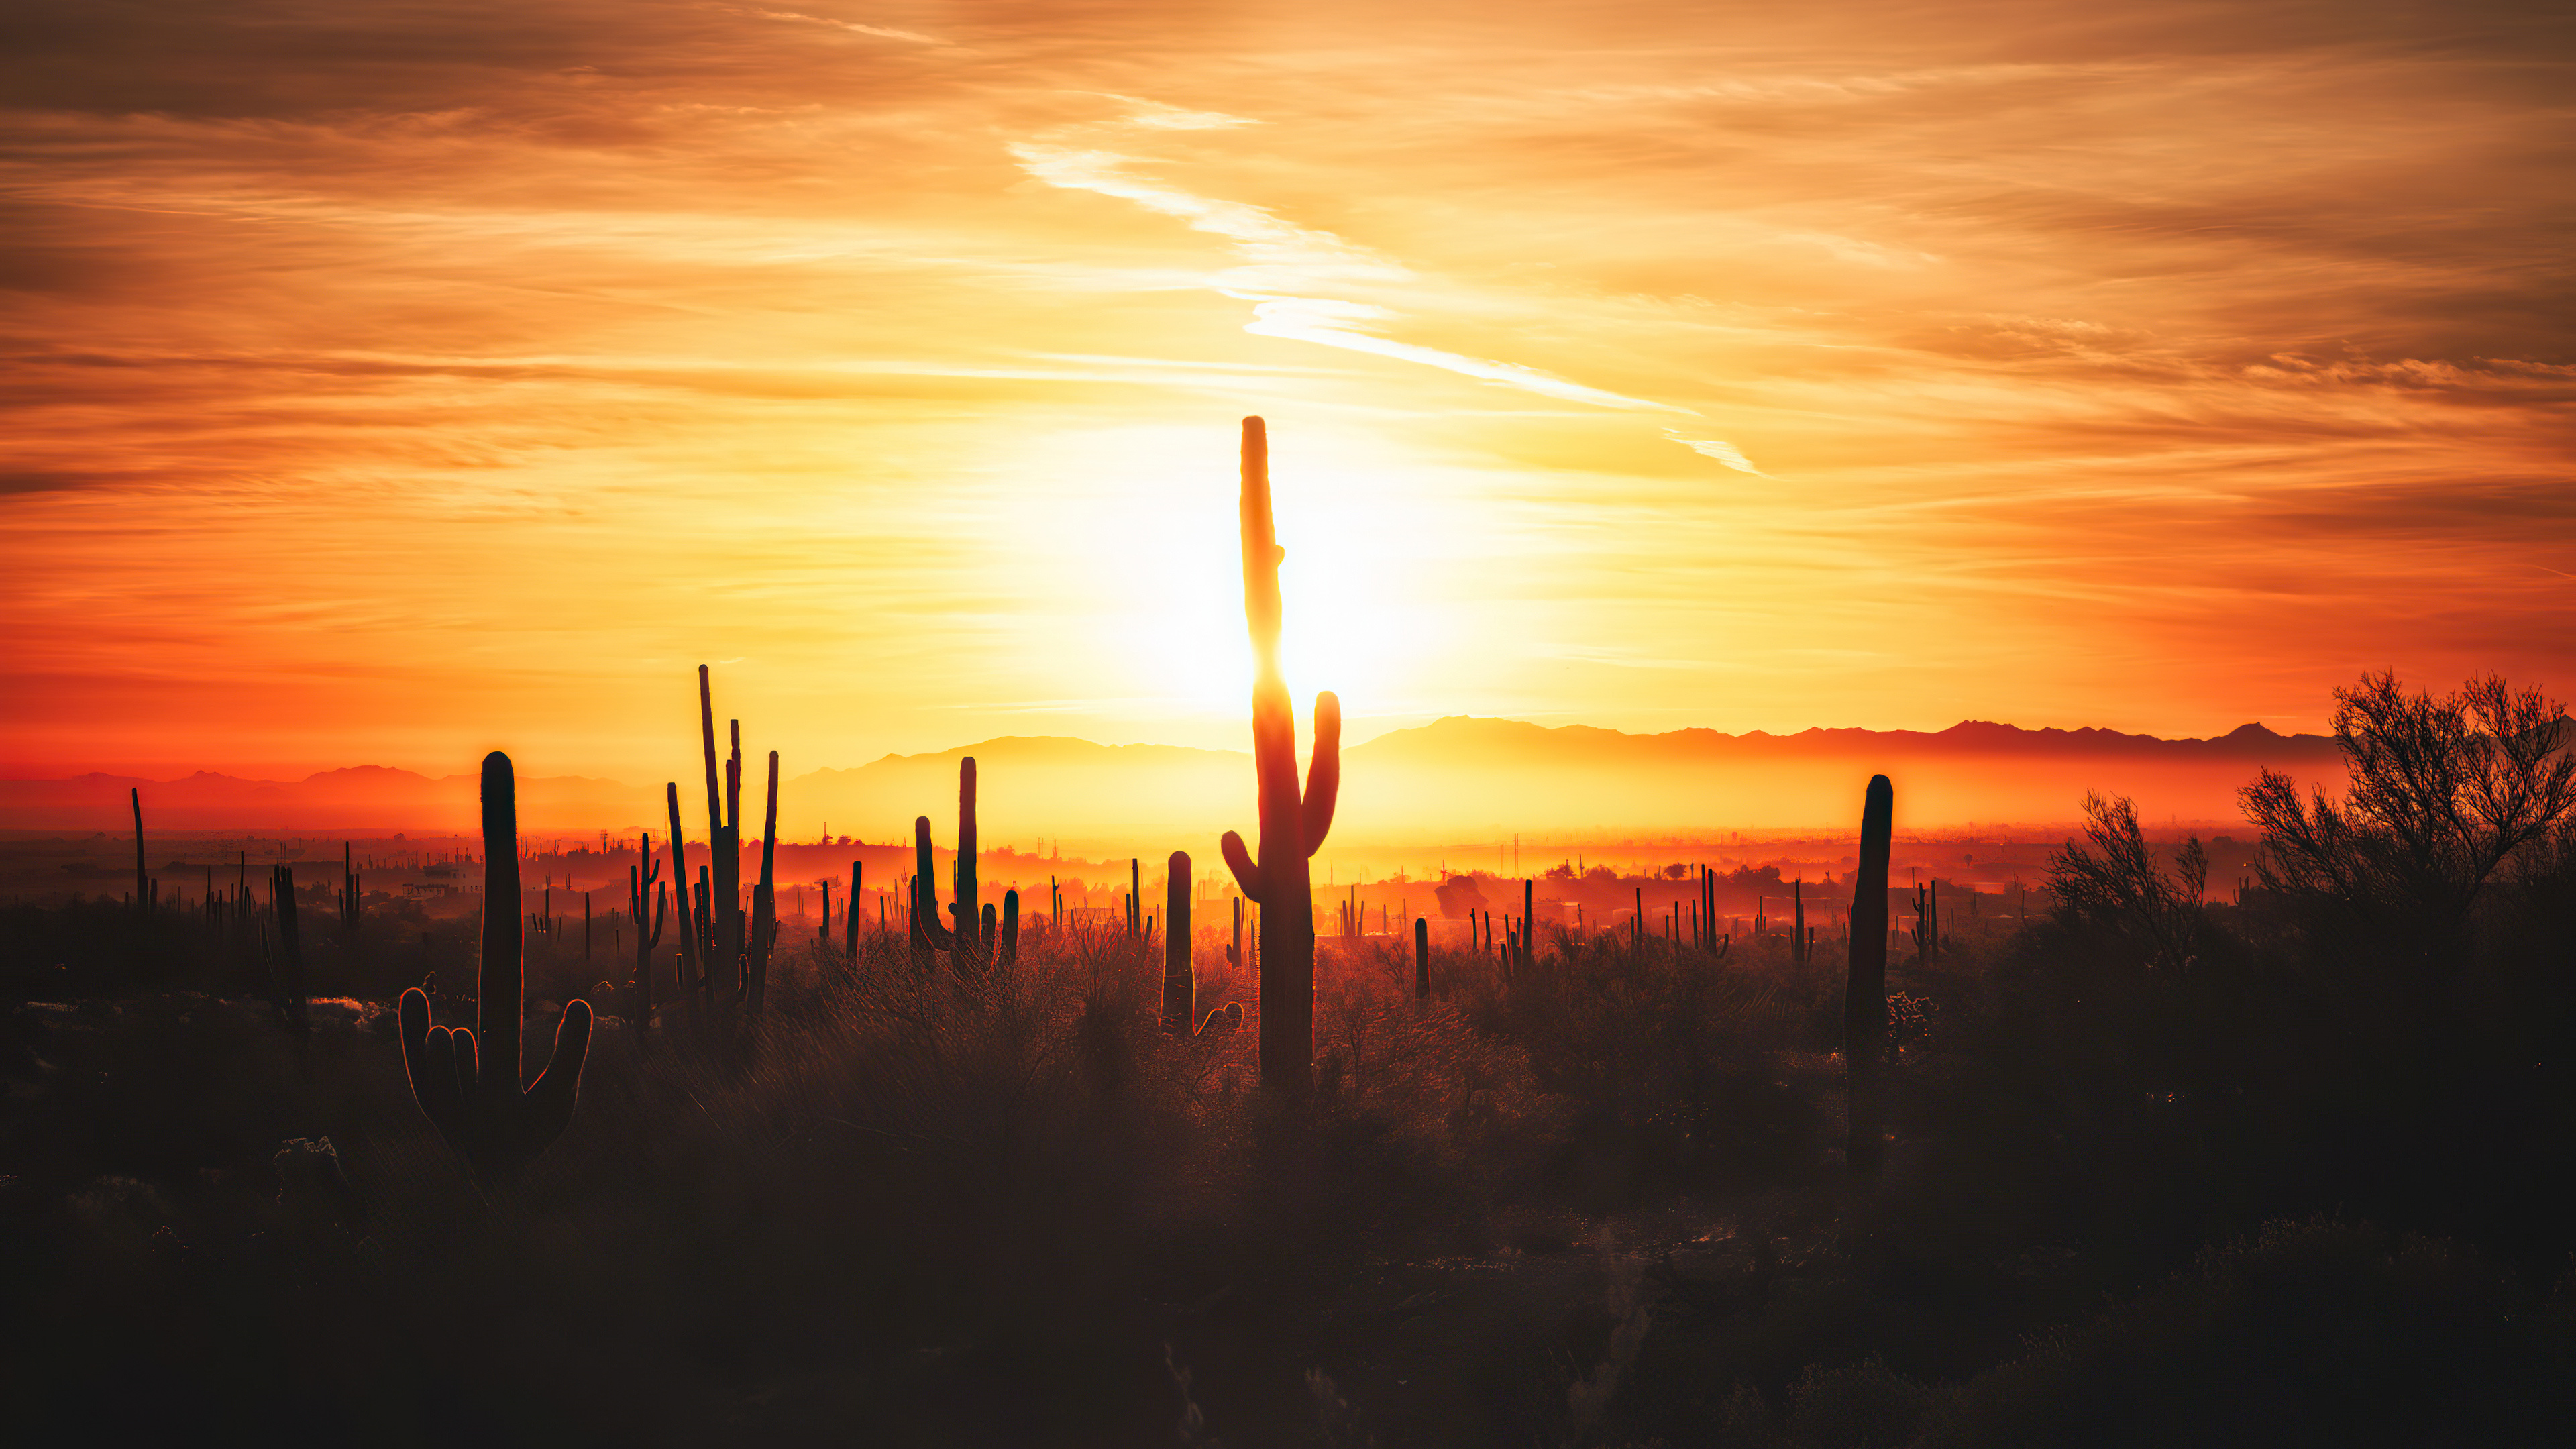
(1462, 777)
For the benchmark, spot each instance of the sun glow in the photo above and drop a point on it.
(1135, 566)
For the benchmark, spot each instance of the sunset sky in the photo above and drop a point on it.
(388, 383)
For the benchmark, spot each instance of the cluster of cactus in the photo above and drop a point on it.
(1180, 975)
(467, 1082)
(286, 959)
(1865, 991)
(1926, 929)
(973, 937)
(349, 909)
(1293, 823)
(724, 954)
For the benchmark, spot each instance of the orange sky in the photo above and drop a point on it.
(386, 384)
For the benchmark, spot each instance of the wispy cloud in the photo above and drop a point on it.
(1284, 262)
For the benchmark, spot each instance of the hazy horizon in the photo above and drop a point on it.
(1459, 778)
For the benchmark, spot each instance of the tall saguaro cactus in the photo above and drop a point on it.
(1180, 983)
(1293, 824)
(467, 1082)
(1865, 993)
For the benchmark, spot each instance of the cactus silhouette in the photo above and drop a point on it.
(286, 970)
(1293, 825)
(1421, 958)
(1865, 993)
(348, 893)
(692, 964)
(648, 901)
(142, 879)
(1180, 983)
(968, 936)
(1006, 949)
(467, 1082)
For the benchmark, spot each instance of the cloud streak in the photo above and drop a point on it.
(1283, 260)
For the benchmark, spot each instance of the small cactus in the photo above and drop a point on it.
(467, 1082)
(1421, 959)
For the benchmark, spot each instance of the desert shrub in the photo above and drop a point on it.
(2315, 1332)
(958, 1211)
(1666, 1058)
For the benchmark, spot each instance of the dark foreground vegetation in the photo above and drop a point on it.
(2297, 1170)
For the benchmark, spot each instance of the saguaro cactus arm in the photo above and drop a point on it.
(1247, 876)
(1323, 773)
(467, 1082)
(925, 891)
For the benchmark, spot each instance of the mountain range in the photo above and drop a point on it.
(1461, 778)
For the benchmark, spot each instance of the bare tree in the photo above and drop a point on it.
(2116, 884)
(2444, 792)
